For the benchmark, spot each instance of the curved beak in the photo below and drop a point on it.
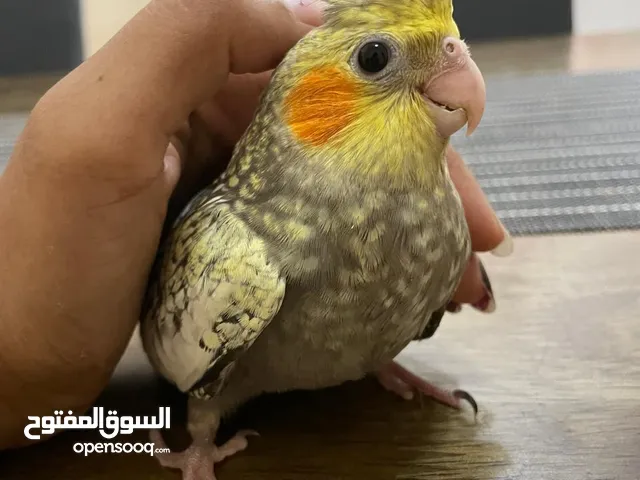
(457, 97)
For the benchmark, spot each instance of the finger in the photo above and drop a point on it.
(475, 287)
(236, 100)
(203, 158)
(470, 289)
(197, 44)
(165, 62)
(172, 168)
(487, 232)
(308, 11)
(234, 106)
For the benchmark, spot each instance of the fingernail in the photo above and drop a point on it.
(485, 277)
(487, 303)
(454, 307)
(294, 4)
(172, 169)
(505, 248)
(169, 161)
(171, 164)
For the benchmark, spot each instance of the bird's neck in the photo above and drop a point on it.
(392, 156)
(395, 152)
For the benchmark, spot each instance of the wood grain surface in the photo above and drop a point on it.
(556, 371)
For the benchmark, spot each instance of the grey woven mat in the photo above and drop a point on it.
(554, 153)
(560, 153)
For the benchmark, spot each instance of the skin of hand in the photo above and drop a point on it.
(107, 156)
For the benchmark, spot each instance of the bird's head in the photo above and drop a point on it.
(380, 77)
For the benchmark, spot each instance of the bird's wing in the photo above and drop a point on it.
(213, 293)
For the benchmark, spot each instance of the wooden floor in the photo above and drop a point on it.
(556, 370)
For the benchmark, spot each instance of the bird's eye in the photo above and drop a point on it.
(373, 57)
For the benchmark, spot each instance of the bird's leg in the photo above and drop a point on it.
(197, 462)
(397, 379)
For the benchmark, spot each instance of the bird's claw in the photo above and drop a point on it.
(401, 381)
(197, 462)
(463, 395)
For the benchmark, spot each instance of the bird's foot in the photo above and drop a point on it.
(397, 379)
(197, 462)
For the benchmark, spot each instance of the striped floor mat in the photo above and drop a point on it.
(554, 153)
(560, 153)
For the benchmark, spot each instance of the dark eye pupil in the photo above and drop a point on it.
(373, 57)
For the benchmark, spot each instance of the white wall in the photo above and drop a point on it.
(605, 16)
(101, 19)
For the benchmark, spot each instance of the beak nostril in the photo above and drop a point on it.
(450, 47)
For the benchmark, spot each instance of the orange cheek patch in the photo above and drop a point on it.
(321, 105)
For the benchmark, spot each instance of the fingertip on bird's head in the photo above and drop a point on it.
(307, 11)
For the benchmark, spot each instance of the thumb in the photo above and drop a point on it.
(196, 44)
(172, 169)
(192, 160)
(142, 98)
(309, 11)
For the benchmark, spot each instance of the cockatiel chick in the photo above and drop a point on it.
(335, 237)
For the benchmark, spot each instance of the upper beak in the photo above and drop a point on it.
(461, 89)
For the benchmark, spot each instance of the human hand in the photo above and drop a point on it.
(84, 196)
(86, 192)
